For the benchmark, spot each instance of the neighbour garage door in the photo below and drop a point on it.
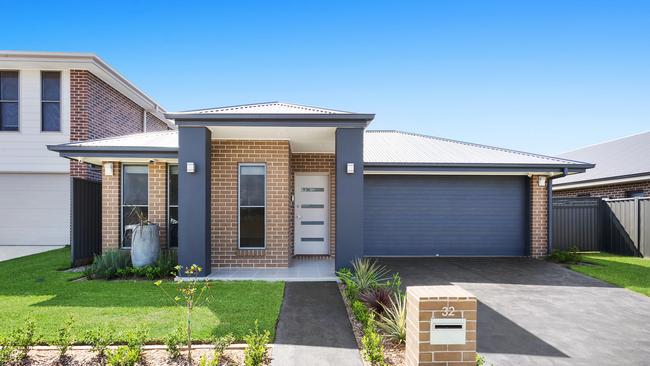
(34, 209)
(445, 215)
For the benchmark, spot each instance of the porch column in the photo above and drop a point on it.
(349, 195)
(194, 211)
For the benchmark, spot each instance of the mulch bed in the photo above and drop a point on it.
(152, 355)
(393, 352)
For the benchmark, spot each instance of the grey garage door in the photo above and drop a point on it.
(445, 215)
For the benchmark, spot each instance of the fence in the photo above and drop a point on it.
(86, 220)
(620, 226)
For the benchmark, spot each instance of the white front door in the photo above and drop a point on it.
(311, 233)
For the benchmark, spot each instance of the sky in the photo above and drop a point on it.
(541, 76)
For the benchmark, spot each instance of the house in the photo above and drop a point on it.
(622, 170)
(53, 98)
(257, 185)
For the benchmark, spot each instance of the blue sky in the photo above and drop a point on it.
(541, 76)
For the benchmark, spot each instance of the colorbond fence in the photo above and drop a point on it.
(86, 220)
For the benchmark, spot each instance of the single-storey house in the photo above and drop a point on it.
(622, 170)
(257, 185)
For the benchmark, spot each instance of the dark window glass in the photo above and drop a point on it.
(173, 185)
(251, 206)
(50, 101)
(251, 227)
(135, 199)
(173, 227)
(173, 206)
(135, 185)
(633, 194)
(8, 100)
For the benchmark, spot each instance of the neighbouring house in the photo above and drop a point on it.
(622, 170)
(53, 98)
(257, 185)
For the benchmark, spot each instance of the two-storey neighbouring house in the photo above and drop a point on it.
(52, 98)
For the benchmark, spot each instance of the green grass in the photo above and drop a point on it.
(34, 286)
(630, 272)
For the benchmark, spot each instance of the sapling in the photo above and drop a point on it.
(64, 337)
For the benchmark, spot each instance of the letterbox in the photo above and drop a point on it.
(448, 330)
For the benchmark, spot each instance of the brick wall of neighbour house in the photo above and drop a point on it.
(316, 163)
(608, 191)
(538, 219)
(111, 195)
(97, 110)
(226, 155)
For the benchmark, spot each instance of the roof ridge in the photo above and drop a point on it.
(605, 142)
(230, 106)
(265, 104)
(495, 148)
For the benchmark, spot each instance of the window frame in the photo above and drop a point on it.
(169, 205)
(122, 231)
(52, 101)
(239, 166)
(17, 101)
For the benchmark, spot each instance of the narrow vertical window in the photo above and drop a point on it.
(172, 200)
(135, 199)
(8, 100)
(252, 206)
(50, 101)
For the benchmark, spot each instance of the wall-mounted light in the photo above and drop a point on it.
(108, 168)
(350, 168)
(541, 181)
(190, 167)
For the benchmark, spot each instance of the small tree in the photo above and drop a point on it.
(191, 292)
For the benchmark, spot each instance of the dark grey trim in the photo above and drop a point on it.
(109, 154)
(65, 148)
(604, 179)
(72, 152)
(274, 123)
(227, 118)
(487, 168)
(482, 165)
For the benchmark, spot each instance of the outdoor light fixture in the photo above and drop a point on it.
(108, 168)
(350, 168)
(190, 167)
(542, 181)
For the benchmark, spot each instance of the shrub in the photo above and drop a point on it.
(122, 356)
(377, 298)
(395, 283)
(373, 350)
(205, 361)
(7, 350)
(366, 274)
(64, 337)
(570, 256)
(393, 320)
(99, 339)
(174, 341)
(23, 338)
(360, 312)
(221, 343)
(255, 353)
(110, 264)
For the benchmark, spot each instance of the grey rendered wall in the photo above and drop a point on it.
(349, 196)
(194, 197)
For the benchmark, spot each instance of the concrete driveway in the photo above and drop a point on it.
(533, 312)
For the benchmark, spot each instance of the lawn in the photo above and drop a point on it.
(34, 286)
(630, 272)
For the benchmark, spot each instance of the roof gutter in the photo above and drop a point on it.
(551, 169)
(272, 120)
(73, 152)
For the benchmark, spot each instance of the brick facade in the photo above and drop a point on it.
(607, 191)
(158, 198)
(538, 218)
(317, 163)
(226, 156)
(97, 110)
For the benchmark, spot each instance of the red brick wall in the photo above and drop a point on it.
(317, 163)
(538, 218)
(608, 191)
(97, 110)
(111, 208)
(226, 155)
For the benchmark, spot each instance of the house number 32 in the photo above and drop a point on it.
(448, 311)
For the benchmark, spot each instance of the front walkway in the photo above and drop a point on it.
(533, 312)
(314, 328)
(300, 270)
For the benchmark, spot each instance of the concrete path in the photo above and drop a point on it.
(533, 312)
(16, 251)
(314, 328)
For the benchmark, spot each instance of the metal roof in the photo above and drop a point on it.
(397, 147)
(266, 108)
(148, 140)
(626, 156)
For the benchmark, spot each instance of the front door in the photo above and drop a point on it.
(311, 211)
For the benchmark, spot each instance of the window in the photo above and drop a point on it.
(50, 101)
(252, 202)
(172, 210)
(635, 194)
(135, 199)
(8, 100)
(583, 195)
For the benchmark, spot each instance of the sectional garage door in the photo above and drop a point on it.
(445, 215)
